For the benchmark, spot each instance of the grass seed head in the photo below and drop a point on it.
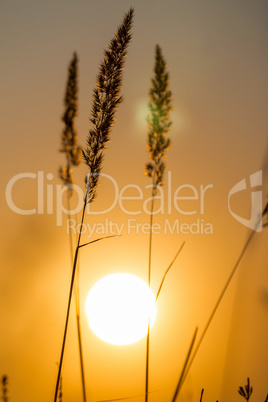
(69, 144)
(158, 119)
(106, 98)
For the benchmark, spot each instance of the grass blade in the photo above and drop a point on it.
(181, 379)
(101, 238)
(68, 307)
(224, 290)
(165, 274)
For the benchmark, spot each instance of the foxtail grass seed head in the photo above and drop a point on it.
(106, 98)
(158, 119)
(69, 144)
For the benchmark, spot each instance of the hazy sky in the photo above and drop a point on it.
(216, 53)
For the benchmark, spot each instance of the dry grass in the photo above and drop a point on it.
(159, 125)
(72, 151)
(105, 101)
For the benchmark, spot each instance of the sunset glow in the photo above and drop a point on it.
(73, 279)
(118, 308)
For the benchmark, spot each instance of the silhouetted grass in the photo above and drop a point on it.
(167, 270)
(60, 395)
(69, 145)
(72, 153)
(159, 125)
(246, 391)
(224, 290)
(180, 382)
(106, 98)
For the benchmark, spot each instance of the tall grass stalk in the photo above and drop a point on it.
(73, 158)
(106, 98)
(159, 125)
(223, 291)
(180, 382)
(69, 144)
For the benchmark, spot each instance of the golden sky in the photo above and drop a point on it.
(216, 54)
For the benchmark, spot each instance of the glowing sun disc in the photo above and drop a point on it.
(118, 308)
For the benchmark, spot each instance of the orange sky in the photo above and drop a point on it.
(216, 53)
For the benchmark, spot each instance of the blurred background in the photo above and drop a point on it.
(216, 54)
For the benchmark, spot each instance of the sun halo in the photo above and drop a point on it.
(118, 308)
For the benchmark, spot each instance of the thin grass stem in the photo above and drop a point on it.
(69, 302)
(75, 265)
(72, 152)
(157, 145)
(77, 308)
(169, 267)
(149, 285)
(223, 292)
(101, 238)
(180, 382)
(81, 355)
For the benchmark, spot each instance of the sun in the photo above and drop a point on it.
(118, 308)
